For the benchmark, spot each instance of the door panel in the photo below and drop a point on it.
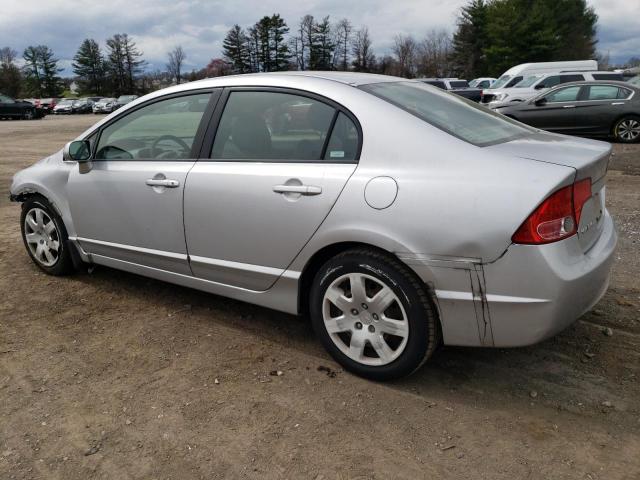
(127, 204)
(242, 231)
(117, 214)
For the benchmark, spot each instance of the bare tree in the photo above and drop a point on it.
(434, 55)
(343, 31)
(176, 59)
(364, 59)
(404, 49)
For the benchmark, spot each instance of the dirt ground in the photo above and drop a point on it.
(113, 376)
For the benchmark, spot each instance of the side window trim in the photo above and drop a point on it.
(200, 132)
(214, 123)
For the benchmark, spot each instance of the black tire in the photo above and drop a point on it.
(423, 325)
(28, 114)
(64, 262)
(626, 129)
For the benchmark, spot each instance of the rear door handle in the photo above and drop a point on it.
(162, 182)
(568, 106)
(301, 189)
(617, 103)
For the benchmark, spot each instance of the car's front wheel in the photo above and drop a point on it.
(373, 314)
(627, 129)
(28, 114)
(45, 237)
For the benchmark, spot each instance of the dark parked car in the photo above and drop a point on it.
(583, 108)
(10, 108)
(83, 105)
(455, 85)
(123, 100)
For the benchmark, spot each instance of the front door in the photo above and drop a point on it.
(277, 166)
(128, 206)
(557, 113)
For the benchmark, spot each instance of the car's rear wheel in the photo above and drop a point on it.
(373, 314)
(627, 129)
(28, 114)
(45, 237)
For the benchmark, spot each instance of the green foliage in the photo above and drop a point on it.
(495, 35)
(236, 50)
(89, 65)
(125, 63)
(322, 46)
(41, 72)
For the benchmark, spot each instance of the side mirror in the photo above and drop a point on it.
(540, 102)
(78, 150)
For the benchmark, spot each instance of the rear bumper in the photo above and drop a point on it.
(535, 291)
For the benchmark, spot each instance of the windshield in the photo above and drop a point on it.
(501, 81)
(453, 114)
(126, 98)
(527, 81)
(66, 102)
(635, 81)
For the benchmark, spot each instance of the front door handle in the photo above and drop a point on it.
(301, 189)
(162, 182)
(617, 103)
(568, 106)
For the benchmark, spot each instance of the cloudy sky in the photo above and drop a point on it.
(200, 25)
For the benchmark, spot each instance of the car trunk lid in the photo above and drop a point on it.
(589, 158)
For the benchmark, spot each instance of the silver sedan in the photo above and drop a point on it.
(397, 216)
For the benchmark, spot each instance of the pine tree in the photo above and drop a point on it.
(88, 64)
(41, 71)
(322, 46)
(235, 48)
(470, 40)
(280, 49)
(125, 63)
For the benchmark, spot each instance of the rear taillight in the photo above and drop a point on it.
(557, 217)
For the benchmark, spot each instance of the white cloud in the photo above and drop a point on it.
(200, 25)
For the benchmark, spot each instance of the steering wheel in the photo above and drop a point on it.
(156, 152)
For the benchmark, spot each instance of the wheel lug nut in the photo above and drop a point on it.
(372, 328)
(354, 311)
(365, 306)
(358, 326)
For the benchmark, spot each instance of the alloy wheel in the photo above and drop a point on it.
(365, 319)
(42, 237)
(629, 129)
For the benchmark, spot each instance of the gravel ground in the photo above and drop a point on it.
(111, 375)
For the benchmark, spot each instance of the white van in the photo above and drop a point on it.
(516, 74)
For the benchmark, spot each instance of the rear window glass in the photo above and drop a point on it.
(455, 115)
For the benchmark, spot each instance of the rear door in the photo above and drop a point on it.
(599, 107)
(277, 164)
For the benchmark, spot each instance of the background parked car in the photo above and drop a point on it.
(64, 106)
(482, 82)
(533, 85)
(455, 85)
(585, 108)
(83, 105)
(516, 74)
(104, 105)
(10, 108)
(124, 99)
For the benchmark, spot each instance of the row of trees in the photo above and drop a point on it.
(269, 46)
(493, 35)
(490, 36)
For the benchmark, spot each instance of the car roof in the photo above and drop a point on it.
(616, 83)
(346, 78)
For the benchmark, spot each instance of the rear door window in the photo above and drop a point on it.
(273, 126)
(343, 143)
(603, 92)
